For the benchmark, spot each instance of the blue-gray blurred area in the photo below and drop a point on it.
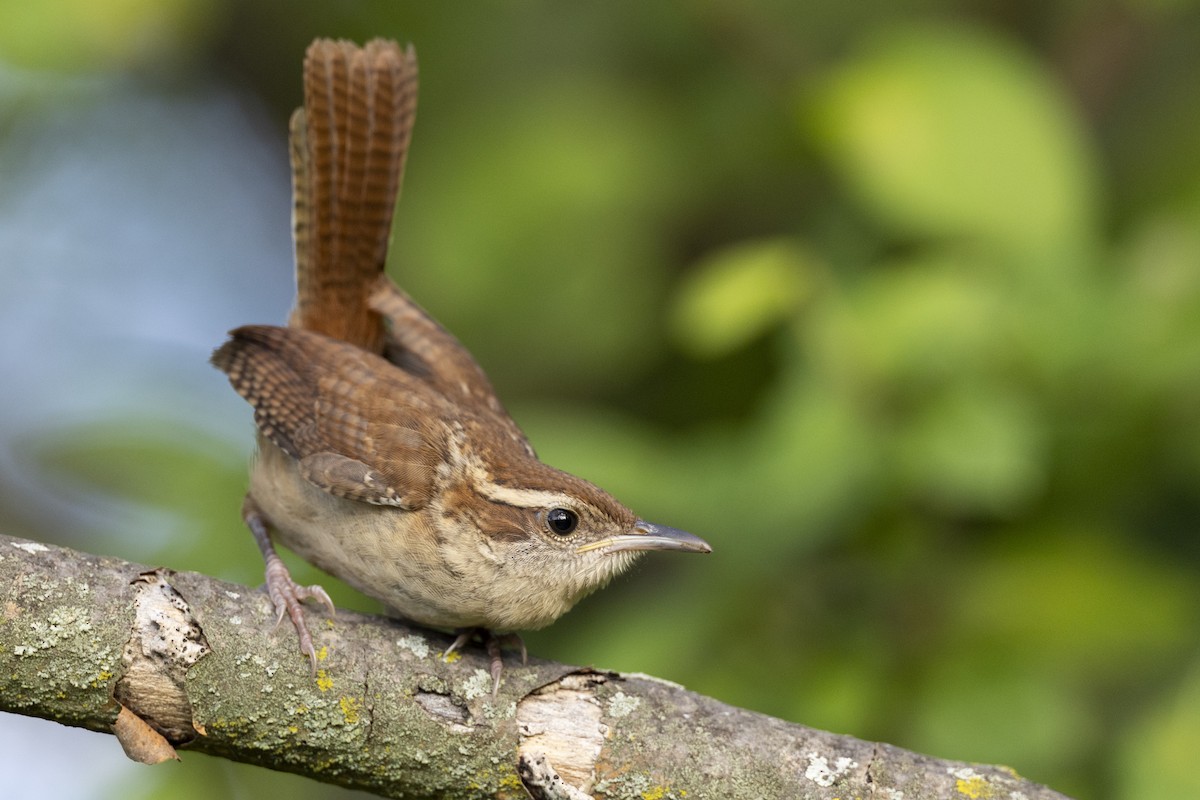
(897, 304)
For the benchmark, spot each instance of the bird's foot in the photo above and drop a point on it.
(493, 643)
(286, 595)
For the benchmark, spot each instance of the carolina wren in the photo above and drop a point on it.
(384, 456)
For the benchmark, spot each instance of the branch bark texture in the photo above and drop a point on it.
(182, 659)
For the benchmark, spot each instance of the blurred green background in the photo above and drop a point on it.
(895, 303)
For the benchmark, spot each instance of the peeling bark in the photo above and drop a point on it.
(166, 640)
(386, 713)
(560, 724)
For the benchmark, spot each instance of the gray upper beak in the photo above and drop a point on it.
(648, 536)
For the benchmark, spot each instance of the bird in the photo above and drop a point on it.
(384, 456)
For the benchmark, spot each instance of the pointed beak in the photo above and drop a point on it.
(648, 536)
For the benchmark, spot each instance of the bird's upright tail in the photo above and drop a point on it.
(348, 146)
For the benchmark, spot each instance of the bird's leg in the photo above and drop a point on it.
(286, 595)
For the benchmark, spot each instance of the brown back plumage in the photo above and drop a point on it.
(418, 344)
(348, 147)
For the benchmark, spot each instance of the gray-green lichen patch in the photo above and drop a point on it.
(636, 786)
(495, 712)
(61, 625)
(50, 616)
(622, 705)
(478, 685)
(417, 645)
(630, 785)
(825, 770)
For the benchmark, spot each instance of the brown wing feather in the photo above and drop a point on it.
(313, 396)
(349, 144)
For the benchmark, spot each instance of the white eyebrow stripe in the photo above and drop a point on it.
(524, 498)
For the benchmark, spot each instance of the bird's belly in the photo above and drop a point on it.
(397, 556)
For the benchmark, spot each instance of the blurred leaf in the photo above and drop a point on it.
(840, 692)
(976, 449)
(739, 293)
(915, 324)
(1158, 755)
(810, 467)
(1083, 601)
(562, 263)
(102, 35)
(1160, 303)
(952, 131)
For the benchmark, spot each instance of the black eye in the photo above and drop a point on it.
(561, 520)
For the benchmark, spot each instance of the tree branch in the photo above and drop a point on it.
(108, 645)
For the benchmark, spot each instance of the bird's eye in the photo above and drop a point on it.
(562, 520)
